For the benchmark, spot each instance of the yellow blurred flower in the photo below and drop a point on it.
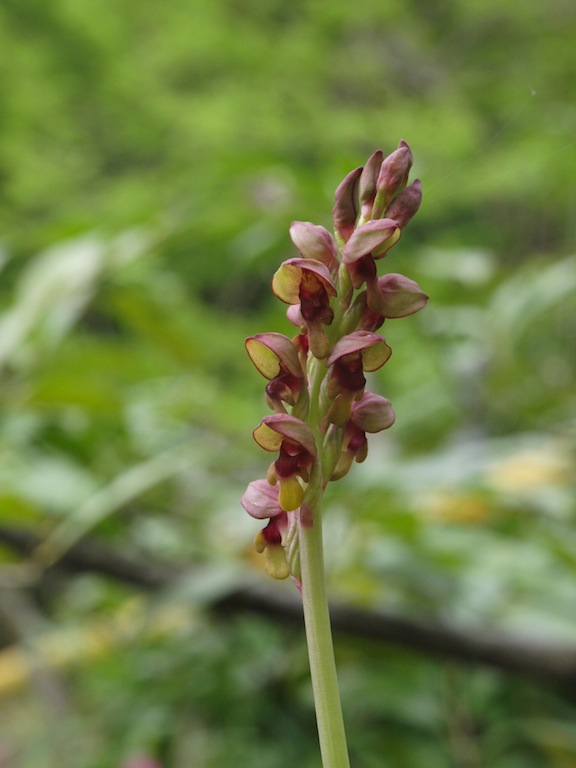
(451, 505)
(532, 468)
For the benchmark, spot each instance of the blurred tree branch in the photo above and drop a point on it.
(548, 660)
(90, 555)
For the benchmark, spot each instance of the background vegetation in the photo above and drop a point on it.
(152, 157)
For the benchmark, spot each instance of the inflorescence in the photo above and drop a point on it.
(316, 380)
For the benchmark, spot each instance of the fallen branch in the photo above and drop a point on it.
(534, 657)
(545, 659)
(89, 555)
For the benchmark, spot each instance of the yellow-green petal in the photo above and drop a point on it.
(375, 356)
(267, 438)
(286, 283)
(265, 360)
(291, 493)
(276, 562)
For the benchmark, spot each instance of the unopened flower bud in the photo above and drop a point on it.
(373, 413)
(401, 296)
(345, 211)
(405, 205)
(367, 187)
(315, 242)
(389, 296)
(392, 178)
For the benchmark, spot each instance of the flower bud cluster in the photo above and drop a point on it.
(316, 379)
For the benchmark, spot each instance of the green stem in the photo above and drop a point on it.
(320, 648)
(331, 733)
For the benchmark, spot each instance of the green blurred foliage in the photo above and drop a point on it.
(152, 157)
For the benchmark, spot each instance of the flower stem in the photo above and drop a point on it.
(320, 648)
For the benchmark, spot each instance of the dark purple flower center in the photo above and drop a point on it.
(314, 300)
(292, 460)
(285, 386)
(348, 372)
(271, 534)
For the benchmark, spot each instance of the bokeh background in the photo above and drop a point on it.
(152, 157)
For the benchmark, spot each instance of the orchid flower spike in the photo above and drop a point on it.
(316, 380)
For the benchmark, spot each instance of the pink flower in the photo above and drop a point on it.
(392, 296)
(297, 451)
(372, 413)
(370, 241)
(355, 353)
(308, 283)
(277, 359)
(260, 500)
